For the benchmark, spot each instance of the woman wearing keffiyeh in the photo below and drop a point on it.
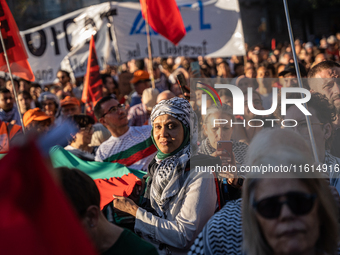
(178, 201)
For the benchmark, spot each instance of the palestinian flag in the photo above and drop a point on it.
(110, 178)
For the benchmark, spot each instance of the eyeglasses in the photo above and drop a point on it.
(87, 129)
(298, 202)
(114, 109)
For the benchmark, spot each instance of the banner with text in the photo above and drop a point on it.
(213, 29)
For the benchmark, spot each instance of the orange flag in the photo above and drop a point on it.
(15, 48)
(93, 86)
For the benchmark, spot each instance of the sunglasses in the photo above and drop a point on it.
(114, 109)
(298, 202)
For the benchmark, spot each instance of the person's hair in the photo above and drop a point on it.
(320, 67)
(140, 64)
(254, 92)
(104, 76)
(81, 120)
(225, 92)
(223, 62)
(98, 111)
(25, 93)
(225, 109)
(284, 147)
(237, 66)
(254, 241)
(35, 85)
(65, 72)
(325, 112)
(79, 188)
(4, 91)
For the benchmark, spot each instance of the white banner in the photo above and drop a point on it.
(213, 29)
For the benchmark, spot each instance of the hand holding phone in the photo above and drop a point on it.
(183, 85)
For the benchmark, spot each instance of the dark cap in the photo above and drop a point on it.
(290, 68)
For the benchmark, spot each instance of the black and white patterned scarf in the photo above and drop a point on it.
(222, 234)
(169, 175)
(239, 149)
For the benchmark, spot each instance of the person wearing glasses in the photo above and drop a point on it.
(301, 203)
(79, 146)
(289, 216)
(129, 146)
(323, 114)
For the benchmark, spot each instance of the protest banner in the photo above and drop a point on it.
(213, 28)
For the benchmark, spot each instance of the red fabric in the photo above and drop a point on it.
(93, 86)
(15, 48)
(137, 156)
(35, 217)
(165, 18)
(116, 186)
(273, 44)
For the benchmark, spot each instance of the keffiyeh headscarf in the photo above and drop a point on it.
(170, 172)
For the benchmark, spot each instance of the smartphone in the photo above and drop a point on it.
(195, 68)
(225, 146)
(182, 82)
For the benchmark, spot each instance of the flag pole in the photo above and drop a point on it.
(11, 77)
(150, 67)
(114, 38)
(298, 74)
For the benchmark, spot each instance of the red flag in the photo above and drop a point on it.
(165, 18)
(15, 49)
(35, 216)
(93, 86)
(119, 186)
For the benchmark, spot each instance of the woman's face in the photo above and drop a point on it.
(84, 135)
(288, 233)
(218, 132)
(49, 107)
(168, 133)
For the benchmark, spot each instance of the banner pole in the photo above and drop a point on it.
(114, 38)
(11, 77)
(298, 74)
(150, 67)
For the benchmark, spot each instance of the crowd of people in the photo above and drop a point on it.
(162, 132)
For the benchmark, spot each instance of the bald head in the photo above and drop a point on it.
(165, 95)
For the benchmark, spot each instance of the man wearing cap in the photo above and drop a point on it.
(49, 104)
(70, 106)
(35, 119)
(289, 75)
(139, 114)
(140, 81)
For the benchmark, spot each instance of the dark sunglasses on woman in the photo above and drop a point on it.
(298, 202)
